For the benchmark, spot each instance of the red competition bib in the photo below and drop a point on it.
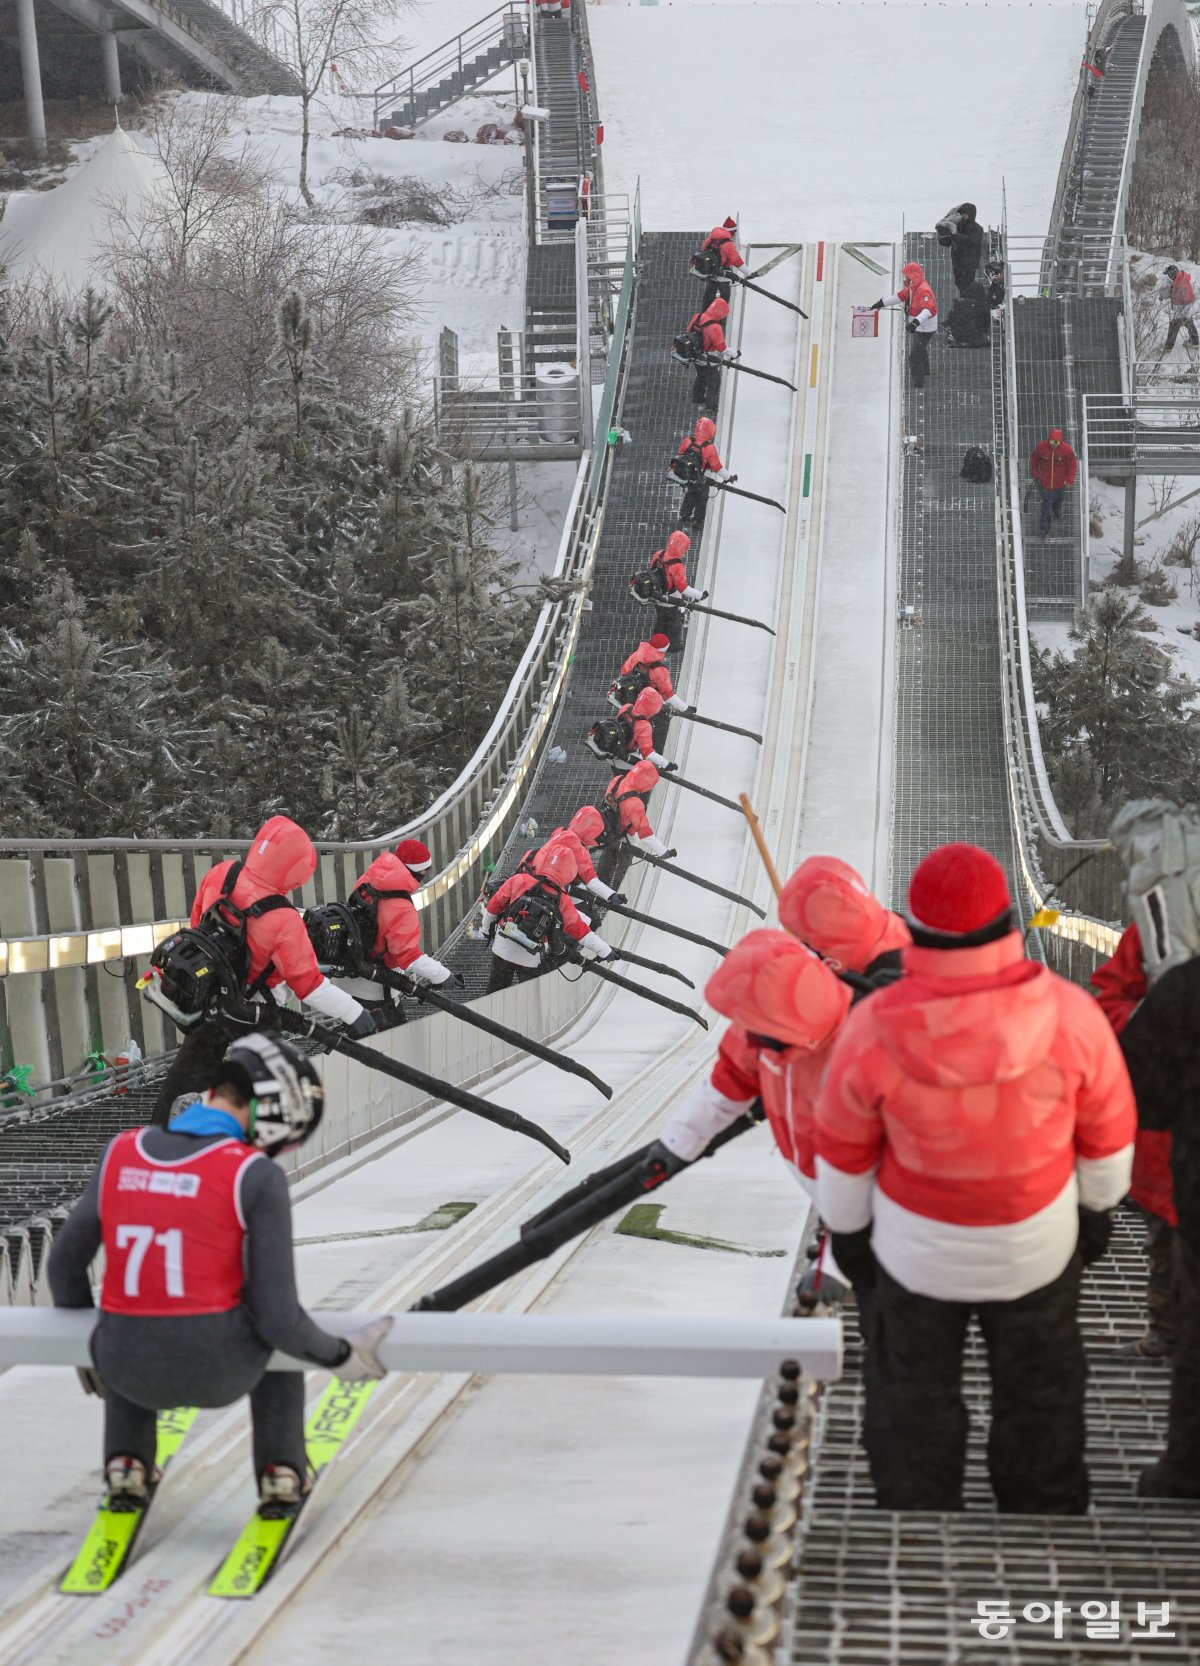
(173, 1231)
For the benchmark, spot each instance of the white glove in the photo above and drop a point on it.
(332, 1002)
(690, 594)
(599, 889)
(429, 970)
(593, 947)
(657, 759)
(676, 704)
(363, 1362)
(488, 926)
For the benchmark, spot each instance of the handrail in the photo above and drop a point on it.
(452, 55)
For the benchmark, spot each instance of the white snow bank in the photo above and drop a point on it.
(62, 233)
(838, 120)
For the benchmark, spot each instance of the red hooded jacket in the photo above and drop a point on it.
(516, 886)
(1053, 466)
(701, 442)
(623, 792)
(398, 939)
(280, 860)
(711, 324)
(656, 666)
(1121, 985)
(827, 905)
(670, 561)
(573, 854)
(967, 1109)
(722, 237)
(640, 714)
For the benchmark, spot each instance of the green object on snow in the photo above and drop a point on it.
(438, 1220)
(642, 1222)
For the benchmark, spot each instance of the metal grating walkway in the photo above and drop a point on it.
(950, 767)
(640, 510)
(874, 1587)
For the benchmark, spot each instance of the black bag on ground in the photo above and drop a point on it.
(977, 466)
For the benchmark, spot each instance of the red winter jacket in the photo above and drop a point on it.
(516, 886)
(828, 905)
(656, 666)
(711, 324)
(398, 939)
(623, 791)
(968, 1108)
(1053, 466)
(710, 462)
(638, 713)
(572, 854)
(1121, 985)
(722, 237)
(916, 297)
(672, 564)
(281, 859)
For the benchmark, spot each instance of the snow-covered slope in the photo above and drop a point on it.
(835, 120)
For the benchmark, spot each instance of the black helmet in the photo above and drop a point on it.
(1172, 271)
(284, 1090)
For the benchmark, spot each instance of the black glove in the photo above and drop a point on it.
(619, 897)
(749, 277)
(363, 1025)
(1095, 1230)
(853, 1253)
(695, 708)
(89, 1380)
(659, 1156)
(668, 769)
(704, 595)
(875, 305)
(457, 979)
(911, 326)
(667, 855)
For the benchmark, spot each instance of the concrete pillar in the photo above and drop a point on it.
(31, 69)
(1127, 555)
(110, 58)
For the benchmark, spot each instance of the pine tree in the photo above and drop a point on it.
(1119, 722)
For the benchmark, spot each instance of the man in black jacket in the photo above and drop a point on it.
(1160, 1047)
(961, 232)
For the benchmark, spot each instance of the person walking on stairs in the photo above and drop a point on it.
(1053, 465)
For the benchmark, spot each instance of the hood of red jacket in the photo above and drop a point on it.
(678, 544)
(827, 904)
(388, 873)
(774, 986)
(641, 778)
(281, 858)
(648, 703)
(586, 824)
(966, 1017)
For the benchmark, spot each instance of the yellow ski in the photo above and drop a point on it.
(109, 1542)
(260, 1544)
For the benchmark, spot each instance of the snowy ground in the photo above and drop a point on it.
(835, 120)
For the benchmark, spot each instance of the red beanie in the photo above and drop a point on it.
(659, 640)
(958, 890)
(414, 855)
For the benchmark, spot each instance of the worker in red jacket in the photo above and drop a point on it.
(1053, 465)
(697, 467)
(669, 569)
(920, 311)
(566, 855)
(1181, 299)
(1121, 985)
(637, 718)
(386, 891)
(708, 351)
(974, 1134)
(722, 241)
(281, 858)
(647, 662)
(525, 920)
(627, 824)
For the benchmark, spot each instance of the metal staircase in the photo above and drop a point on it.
(462, 65)
(1094, 197)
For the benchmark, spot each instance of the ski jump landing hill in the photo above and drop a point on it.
(533, 1519)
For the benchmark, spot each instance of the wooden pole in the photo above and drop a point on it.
(760, 841)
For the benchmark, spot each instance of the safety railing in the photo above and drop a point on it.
(76, 916)
(1079, 879)
(264, 23)
(1142, 435)
(536, 414)
(468, 60)
(1036, 268)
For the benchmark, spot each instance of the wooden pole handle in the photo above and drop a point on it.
(760, 841)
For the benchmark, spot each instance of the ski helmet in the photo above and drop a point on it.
(284, 1090)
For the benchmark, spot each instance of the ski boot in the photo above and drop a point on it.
(127, 1483)
(281, 1491)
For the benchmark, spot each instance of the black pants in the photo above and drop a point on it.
(1173, 329)
(714, 288)
(210, 1359)
(695, 506)
(918, 358)
(194, 1065)
(504, 973)
(671, 622)
(965, 268)
(1177, 1472)
(915, 1425)
(660, 727)
(706, 389)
